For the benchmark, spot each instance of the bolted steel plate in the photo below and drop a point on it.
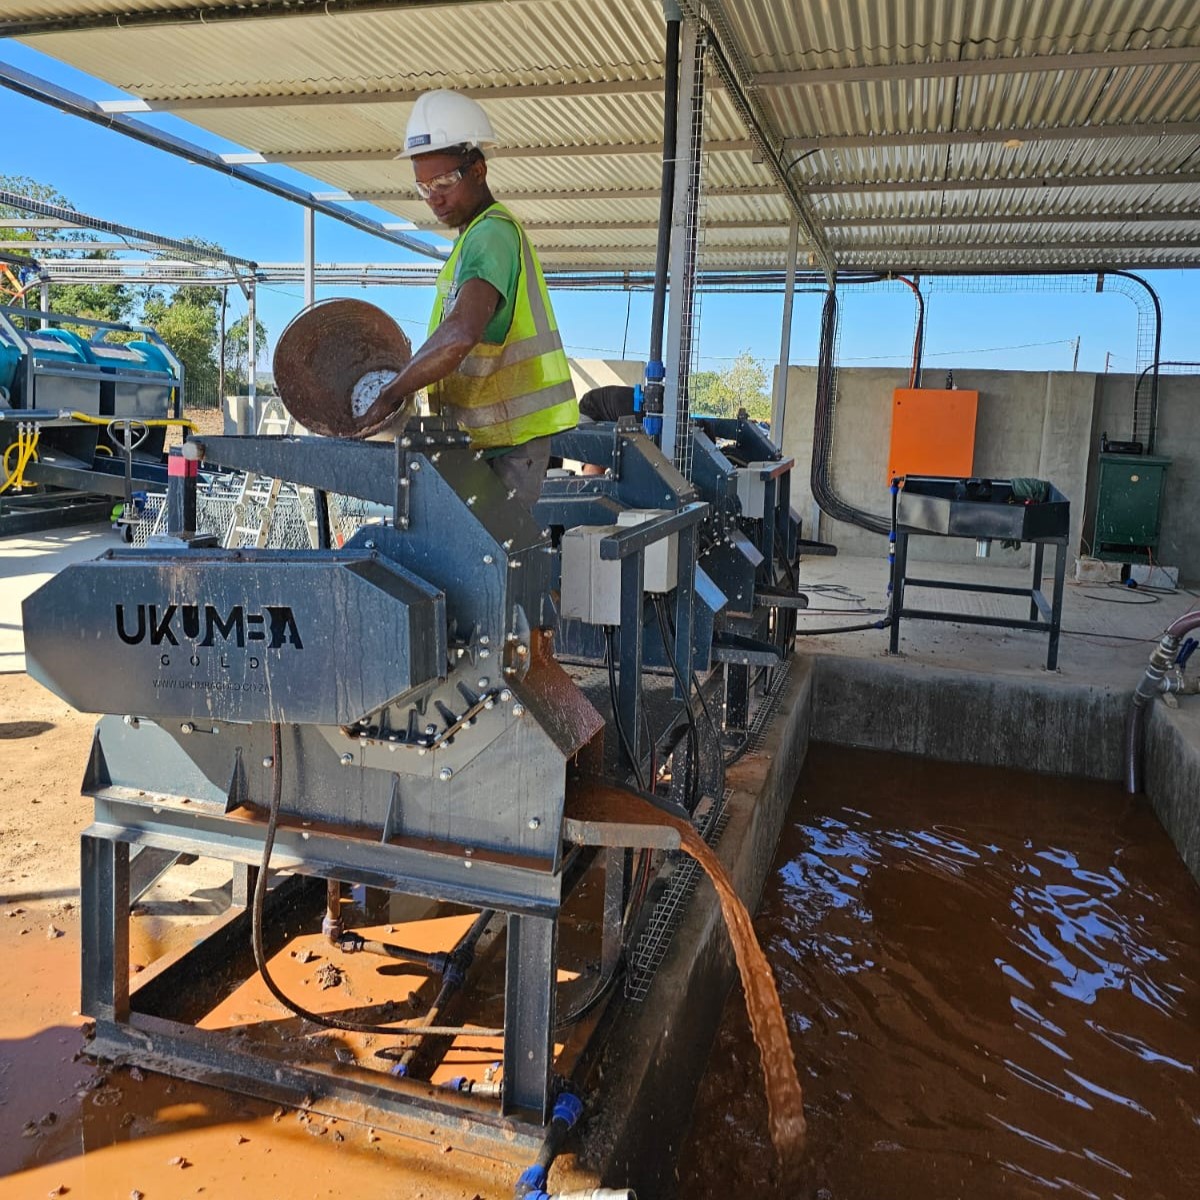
(320, 637)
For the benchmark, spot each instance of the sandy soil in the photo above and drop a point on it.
(71, 1126)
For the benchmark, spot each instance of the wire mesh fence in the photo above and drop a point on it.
(241, 519)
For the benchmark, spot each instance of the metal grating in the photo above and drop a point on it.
(664, 920)
(756, 734)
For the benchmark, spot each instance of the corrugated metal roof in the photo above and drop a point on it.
(922, 134)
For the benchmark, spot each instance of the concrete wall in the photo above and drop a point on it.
(588, 373)
(1178, 439)
(1041, 423)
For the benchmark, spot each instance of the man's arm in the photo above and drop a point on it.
(451, 342)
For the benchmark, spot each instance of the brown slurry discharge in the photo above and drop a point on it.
(785, 1103)
(995, 976)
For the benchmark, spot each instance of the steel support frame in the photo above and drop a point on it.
(529, 895)
(681, 310)
(1045, 616)
(779, 401)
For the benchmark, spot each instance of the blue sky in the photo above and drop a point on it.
(108, 175)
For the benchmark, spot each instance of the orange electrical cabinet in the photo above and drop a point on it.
(933, 432)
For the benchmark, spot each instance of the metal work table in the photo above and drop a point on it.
(931, 506)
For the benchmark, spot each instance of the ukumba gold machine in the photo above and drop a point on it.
(446, 707)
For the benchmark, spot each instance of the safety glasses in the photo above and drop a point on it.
(440, 183)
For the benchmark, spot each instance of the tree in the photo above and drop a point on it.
(742, 385)
(100, 301)
(186, 320)
(236, 357)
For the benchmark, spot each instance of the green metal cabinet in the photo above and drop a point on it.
(1128, 503)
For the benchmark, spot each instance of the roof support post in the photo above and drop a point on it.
(779, 402)
(310, 258)
(44, 301)
(653, 402)
(252, 353)
(685, 219)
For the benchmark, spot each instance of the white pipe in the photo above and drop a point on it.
(779, 403)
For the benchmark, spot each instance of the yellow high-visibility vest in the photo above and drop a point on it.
(509, 393)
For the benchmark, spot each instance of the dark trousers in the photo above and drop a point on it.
(522, 470)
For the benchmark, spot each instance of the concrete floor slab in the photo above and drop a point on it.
(26, 563)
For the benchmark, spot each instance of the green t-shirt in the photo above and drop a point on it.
(491, 251)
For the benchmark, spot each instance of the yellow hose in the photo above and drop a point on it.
(149, 422)
(26, 448)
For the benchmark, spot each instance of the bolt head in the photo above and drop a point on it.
(347, 760)
(430, 730)
(518, 710)
(506, 695)
(268, 762)
(522, 651)
(485, 653)
(488, 560)
(370, 545)
(482, 683)
(186, 727)
(535, 823)
(484, 640)
(414, 466)
(446, 774)
(131, 721)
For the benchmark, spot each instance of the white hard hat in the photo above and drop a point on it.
(444, 118)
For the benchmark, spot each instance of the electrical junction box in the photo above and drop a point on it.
(661, 570)
(1129, 492)
(591, 586)
(933, 432)
(752, 488)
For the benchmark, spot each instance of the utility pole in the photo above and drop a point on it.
(1075, 359)
(1107, 360)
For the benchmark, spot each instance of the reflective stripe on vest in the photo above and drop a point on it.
(509, 393)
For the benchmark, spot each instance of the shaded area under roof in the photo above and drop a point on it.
(1042, 135)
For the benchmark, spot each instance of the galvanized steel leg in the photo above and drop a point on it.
(104, 904)
(1060, 571)
(737, 696)
(685, 598)
(1039, 551)
(629, 692)
(244, 879)
(899, 570)
(529, 1013)
(614, 909)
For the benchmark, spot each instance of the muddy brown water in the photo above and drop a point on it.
(781, 1088)
(992, 986)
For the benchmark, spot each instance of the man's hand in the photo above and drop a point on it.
(443, 352)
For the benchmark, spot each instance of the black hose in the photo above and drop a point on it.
(822, 458)
(692, 779)
(616, 708)
(1134, 726)
(1162, 658)
(256, 923)
(882, 623)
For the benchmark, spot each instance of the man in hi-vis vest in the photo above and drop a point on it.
(493, 360)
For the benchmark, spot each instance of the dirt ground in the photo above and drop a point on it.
(73, 1126)
(70, 1126)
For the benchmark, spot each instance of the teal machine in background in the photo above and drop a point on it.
(1129, 492)
(91, 411)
